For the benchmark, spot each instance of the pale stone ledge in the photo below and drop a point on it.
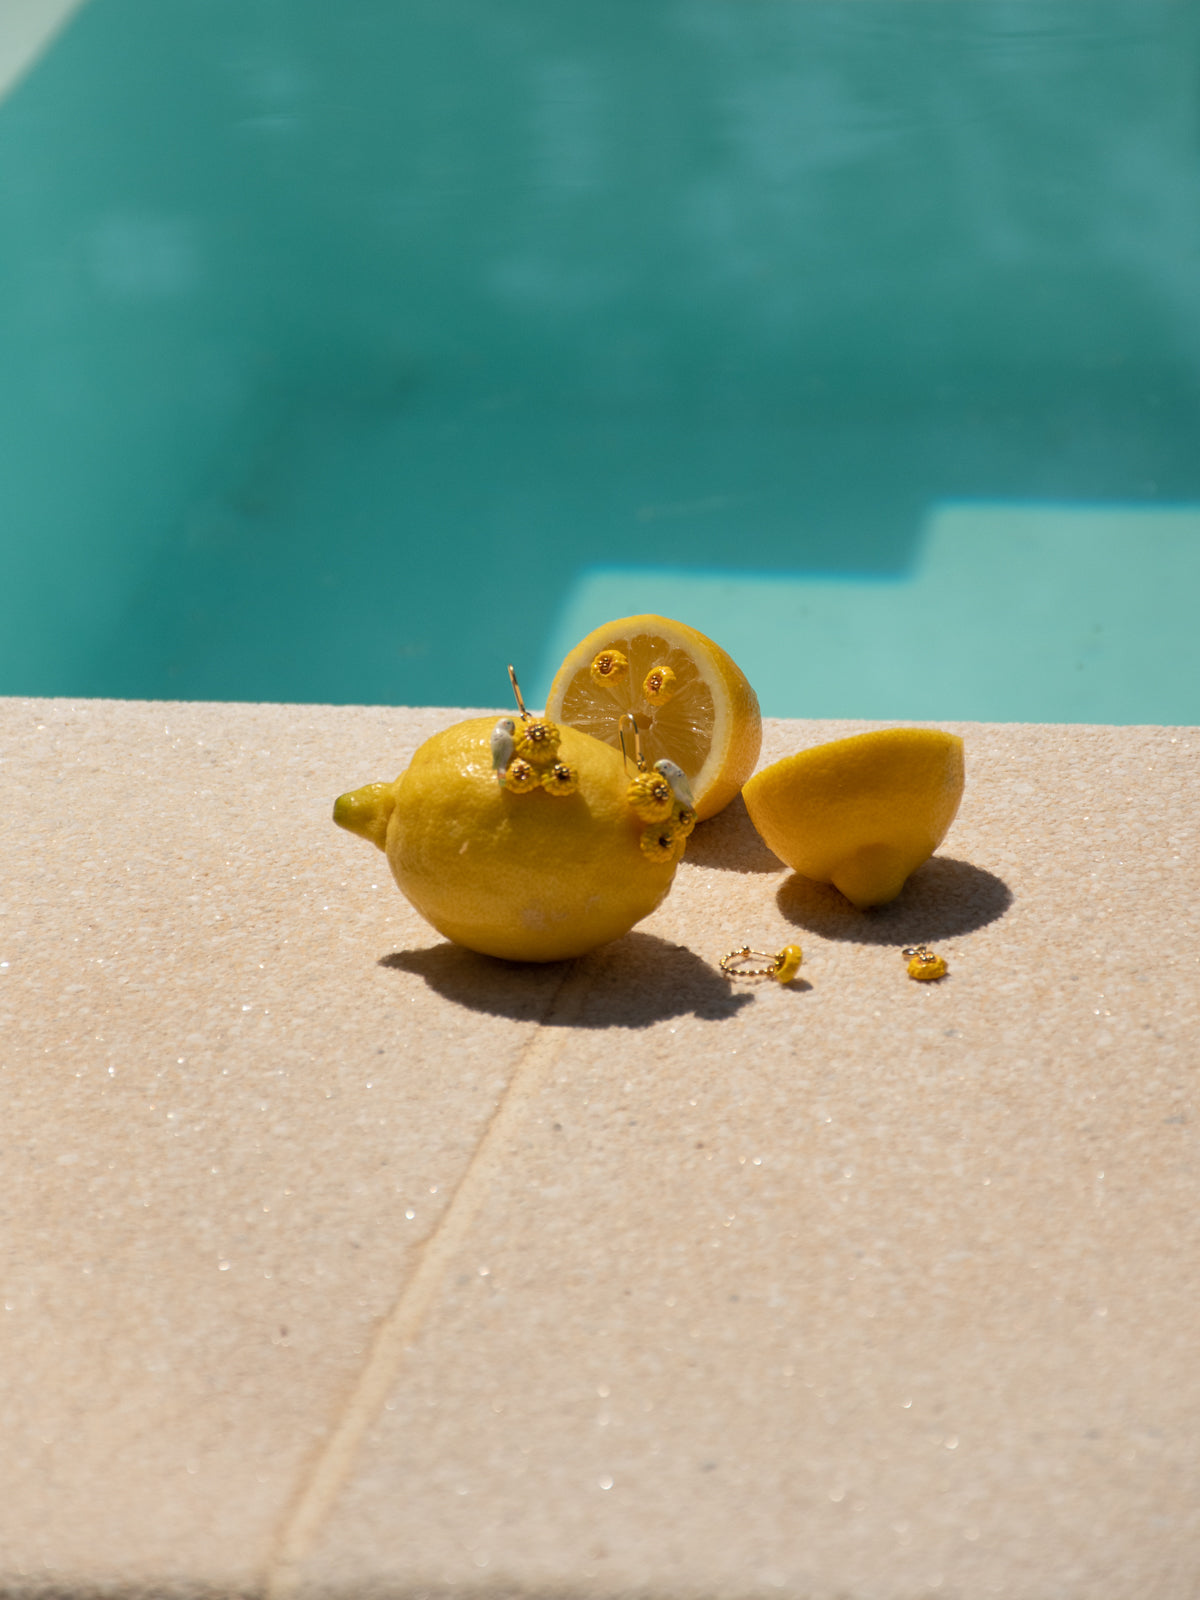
(341, 1262)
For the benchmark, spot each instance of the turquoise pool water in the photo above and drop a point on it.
(349, 356)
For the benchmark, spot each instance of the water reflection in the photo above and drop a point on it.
(321, 331)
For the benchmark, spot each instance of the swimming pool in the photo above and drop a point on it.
(349, 362)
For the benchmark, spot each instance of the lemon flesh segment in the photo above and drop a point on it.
(861, 813)
(709, 722)
(532, 876)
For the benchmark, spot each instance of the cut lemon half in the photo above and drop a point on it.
(861, 813)
(693, 704)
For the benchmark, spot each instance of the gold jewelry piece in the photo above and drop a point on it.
(537, 742)
(651, 797)
(561, 779)
(659, 796)
(659, 685)
(525, 756)
(519, 777)
(681, 787)
(627, 724)
(610, 666)
(526, 716)
(503, 746)
(782, 966)
(923, 965)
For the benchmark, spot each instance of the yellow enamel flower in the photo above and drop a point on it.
(925, 967)
(663, 842)
(560, 779)
(650, 797)
(537, 741)
(609, 666)
(685, 820)
(659, 685)
(520, 777)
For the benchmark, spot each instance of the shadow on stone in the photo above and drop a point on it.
(943, 898)
(633, 983)
(731, 841)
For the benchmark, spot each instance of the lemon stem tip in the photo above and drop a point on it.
(366, 812)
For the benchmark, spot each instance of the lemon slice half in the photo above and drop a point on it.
(692, 702)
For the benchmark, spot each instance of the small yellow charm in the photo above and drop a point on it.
(662, 842)
(520, 778)
(923, 965)
(659, 685)
(787, 963)
(610, 666)
(651, 797)
(782, 967)
(685, 819)
(537, 741)
(561, 779)
(525, 754)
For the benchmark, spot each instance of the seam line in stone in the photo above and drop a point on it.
(400, 1328)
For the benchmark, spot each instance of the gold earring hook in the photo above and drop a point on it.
(516, 689)
(628, 723)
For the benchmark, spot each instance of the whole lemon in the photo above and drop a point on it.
(541, 866)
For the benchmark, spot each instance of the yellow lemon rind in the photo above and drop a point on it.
(861, 813)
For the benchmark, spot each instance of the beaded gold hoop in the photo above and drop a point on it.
(782, 966)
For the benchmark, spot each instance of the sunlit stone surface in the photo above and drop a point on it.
(401, 1268)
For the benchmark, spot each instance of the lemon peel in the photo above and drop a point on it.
(529, 876)
(861, 813)
(709, 724)
(366, 812)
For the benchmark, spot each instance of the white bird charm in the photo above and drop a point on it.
(503, 745)
(677, 778)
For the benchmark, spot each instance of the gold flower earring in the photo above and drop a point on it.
(923, 965)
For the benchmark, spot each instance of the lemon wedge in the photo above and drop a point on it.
(692, 702)
(543, 861)
(861, 813)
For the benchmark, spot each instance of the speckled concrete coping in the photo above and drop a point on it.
(341, 1262)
